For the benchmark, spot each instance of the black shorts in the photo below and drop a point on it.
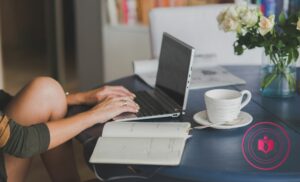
(5, 98)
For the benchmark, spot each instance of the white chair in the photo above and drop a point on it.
(197, 26)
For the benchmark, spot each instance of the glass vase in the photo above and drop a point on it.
(278, 77)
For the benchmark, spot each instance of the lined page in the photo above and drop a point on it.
(146, 129)
(153, 151)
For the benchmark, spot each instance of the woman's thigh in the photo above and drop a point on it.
(41, 100)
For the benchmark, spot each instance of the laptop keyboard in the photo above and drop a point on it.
(148, 105)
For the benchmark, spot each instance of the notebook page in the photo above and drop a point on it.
(146, 129)
(155, 151)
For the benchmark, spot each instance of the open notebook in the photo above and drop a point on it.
(206, 76)
(153, 143)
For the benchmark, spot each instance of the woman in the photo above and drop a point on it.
(33, 122)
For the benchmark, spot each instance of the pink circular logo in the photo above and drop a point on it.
(266, 145)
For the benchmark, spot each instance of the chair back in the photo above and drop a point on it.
(198, 26)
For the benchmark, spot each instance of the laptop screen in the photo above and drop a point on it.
(173, 69)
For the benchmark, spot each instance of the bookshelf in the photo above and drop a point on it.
(122, 43)
(135, 12)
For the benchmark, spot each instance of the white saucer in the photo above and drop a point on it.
(242, 120)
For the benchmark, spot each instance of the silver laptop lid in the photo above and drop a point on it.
(174, 69)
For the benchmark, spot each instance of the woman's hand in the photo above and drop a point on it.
(66, 128)
(97, 95)
(111, 107)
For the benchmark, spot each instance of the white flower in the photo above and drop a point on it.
(241, 3)
(249, 17)
(232, 13)
(241, 9)
(237, 19)
(221, 17)
(298, 24)
(229, 19)
(230, 24)
(266, 25)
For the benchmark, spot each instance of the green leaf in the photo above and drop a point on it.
(282, 18)
(238, 49)
(296, 54)
(290, 56)
(291, 80)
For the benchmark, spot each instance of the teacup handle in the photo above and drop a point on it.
(248, 97)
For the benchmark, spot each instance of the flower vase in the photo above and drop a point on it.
(278, 76)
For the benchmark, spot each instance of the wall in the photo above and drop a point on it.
(88, 38)
(123, 45)
(23, 24)
(1, 61)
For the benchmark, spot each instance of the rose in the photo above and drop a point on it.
(221, 17)
(250, 25)
(255, 30)
(230, 24)
(249, 17)
(232, 13)
(241, 9)
(266, 24)
(237, 18)
(229, 19)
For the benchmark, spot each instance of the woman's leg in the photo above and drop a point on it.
(42, 100)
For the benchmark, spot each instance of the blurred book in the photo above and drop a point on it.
(123, 11)
(144, 7)
(132, 12)
(274, 7)
(136, 11)
(112, 12)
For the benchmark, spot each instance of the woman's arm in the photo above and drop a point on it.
(98, 95)
(63, 130)
(27, 141)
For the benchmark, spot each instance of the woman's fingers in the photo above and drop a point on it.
(121, 103)
(126, 102)
(98, 95)
(118, 94)
(122, 89)
(131, 105)
(118, 90)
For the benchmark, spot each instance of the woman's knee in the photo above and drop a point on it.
(46, 85)
(41, 100)
(52, 92)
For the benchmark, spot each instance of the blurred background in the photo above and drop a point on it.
(82, 44)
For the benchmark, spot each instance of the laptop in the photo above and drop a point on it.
(169, 97)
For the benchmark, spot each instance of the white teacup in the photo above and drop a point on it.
(224, 105)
